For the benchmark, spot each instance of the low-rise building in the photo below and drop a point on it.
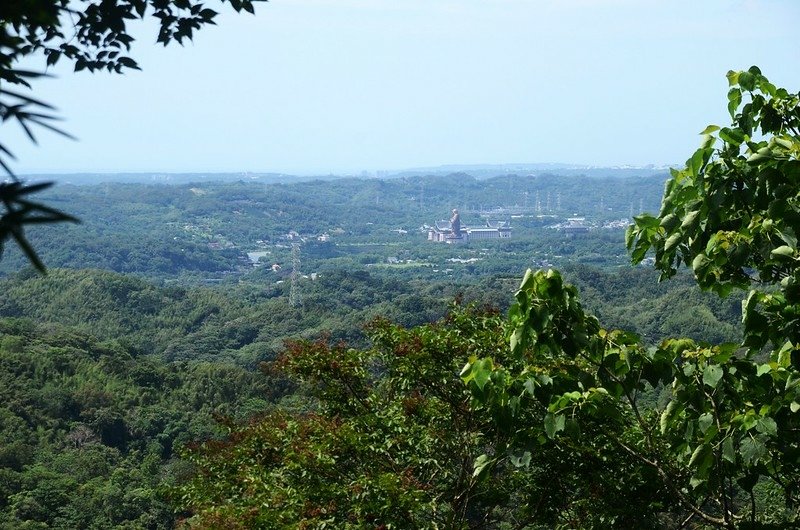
(575, 226)
(441, 232)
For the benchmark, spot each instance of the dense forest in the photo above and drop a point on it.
(113, 375)
(109, 376)
(298, 356)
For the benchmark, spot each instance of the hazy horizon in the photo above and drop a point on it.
(443, 168)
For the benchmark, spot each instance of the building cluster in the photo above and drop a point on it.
(452, 232)
(574, 226)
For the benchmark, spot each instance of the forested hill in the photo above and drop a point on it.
(248, 323)
(89, 434)
(244, 324)
(633, 299)
(105, 377)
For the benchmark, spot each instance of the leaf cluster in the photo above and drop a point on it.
(732, 213)
(729, 421)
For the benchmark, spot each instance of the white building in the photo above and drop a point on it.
(574, 226)
(441, 232)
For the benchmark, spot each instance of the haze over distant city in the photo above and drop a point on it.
(314, 86)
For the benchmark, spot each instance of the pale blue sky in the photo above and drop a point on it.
(318, 86)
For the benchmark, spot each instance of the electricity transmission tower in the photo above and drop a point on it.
(294, 292)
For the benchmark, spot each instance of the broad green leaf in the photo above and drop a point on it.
(749, 420)
(747, 81)
(689, 219)
(482, 369)
(788, 236)
(763, 369)
(572, 429)
(698, 454)
(784, 250)
(786, 143)
(640, 251)
(553, 423)
(728, 453)
(733, 136)
(696, 162)
(699, 262)
(516, 339)
(751, 450)
(694, 482)
(767, 425)
(785, 355)
(630, 236)
(708, 141)
(666, 416)
(734, 100)
(530, 385)
(762, 154)
(669, 221)
(467, 370)
(527, 280)
(481, 466)
(712, 375)
(672, 241)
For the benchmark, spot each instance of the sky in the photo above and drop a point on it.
(345, 86)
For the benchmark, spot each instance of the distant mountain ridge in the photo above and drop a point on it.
(479, 171)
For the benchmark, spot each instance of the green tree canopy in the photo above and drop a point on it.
(390, 441)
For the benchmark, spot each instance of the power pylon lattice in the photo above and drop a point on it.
(294, 289)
